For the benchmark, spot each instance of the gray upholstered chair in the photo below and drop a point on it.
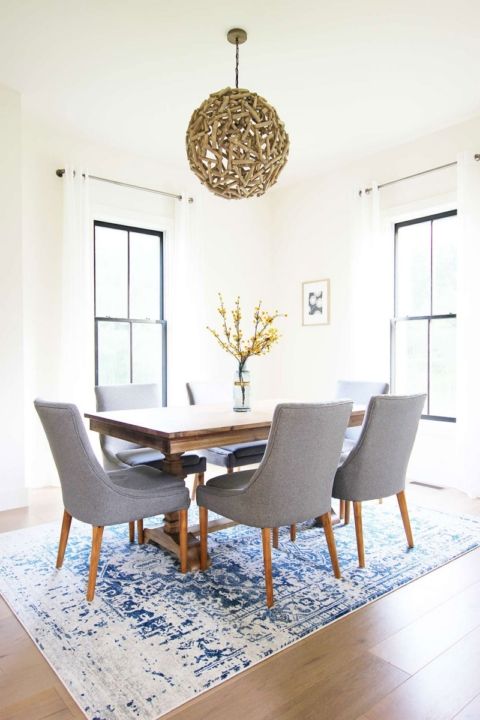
(360, 392)
(227, 456)
(99, 498)
(120, 453)
(377, 465)
(292, 484)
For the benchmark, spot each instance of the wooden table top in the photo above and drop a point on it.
(195, 420)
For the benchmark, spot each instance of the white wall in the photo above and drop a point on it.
(227, 250)
(313, 237)
(12, 492)
(263, 248)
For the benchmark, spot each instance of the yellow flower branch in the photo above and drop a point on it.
(265, 334)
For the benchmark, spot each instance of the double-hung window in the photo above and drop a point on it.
(130, 328)
(424, 325)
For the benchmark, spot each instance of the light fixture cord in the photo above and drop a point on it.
(236, 62)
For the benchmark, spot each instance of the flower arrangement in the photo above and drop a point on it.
(232, 339)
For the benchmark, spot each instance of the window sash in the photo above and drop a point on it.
(161, 322)
(429, 318)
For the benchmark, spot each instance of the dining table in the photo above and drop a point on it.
(176, 430)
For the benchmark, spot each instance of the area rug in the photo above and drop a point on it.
(153, 638)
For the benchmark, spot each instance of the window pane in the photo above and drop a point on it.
(144, 276)
(113, 353)
(147, 353)
(111, 272)
(444, 264)
(442, 367)
(411, 357)
(413, 270)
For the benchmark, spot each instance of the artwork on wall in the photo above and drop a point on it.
(316, 302)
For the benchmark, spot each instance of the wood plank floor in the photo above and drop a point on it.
(413, 655)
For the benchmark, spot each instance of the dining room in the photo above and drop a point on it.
(239, 334)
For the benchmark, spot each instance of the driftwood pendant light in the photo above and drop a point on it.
(236, 143)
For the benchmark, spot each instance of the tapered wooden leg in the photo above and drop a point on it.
(183, 517)
(141, 537)
(199, 480)
(97, 534)
(332, 548)
(131, 531)
(402, 504)
(229, 470)
(293, 533)
(275, 536)
(341, 509)
(203, 514)
(380, 501)
(346, 518)
(357, 511)
(66, 522)
(267, 564)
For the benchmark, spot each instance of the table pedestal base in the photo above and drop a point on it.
(169, 540)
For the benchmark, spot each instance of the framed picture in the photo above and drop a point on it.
(316, 302)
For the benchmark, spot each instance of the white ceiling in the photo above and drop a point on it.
(348, 77)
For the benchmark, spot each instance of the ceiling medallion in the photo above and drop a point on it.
(236, 143)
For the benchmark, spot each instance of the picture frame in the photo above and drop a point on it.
(316, 302)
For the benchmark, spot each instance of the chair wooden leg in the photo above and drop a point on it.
(230, 470)
(341, 510)
(131, 531)
(293, 533)
(275, 537)
(380, 501)
(199, 480)
(357, 511)
(203, 514)
(402, 504)
(267, 564)
(346, 518)
(66, 522)
(332, 547)
(141, 536)
(97, 534)
(183, 530)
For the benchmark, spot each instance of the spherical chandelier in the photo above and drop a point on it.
(236, 143)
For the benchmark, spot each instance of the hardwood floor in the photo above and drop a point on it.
(413, 655)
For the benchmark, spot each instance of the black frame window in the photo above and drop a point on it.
(423, 329)
(130, 327)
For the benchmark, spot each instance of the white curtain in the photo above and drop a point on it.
(77, 347)
(370, 292)
(468, 326)
(184, 302)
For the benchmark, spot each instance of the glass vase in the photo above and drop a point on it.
(241, 390)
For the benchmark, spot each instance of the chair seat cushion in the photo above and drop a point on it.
(241, 450)
(143, 481)
(147, 456)
(236, 455)
(230, 484)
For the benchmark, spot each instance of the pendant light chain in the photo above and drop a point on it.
(237, 54)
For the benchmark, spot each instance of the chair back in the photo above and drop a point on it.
(124, 397)
(86, 488)
(294, 480)
(209, 393)
(377, 466)
(360, 392)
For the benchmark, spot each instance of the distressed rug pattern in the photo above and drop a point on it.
(153, 638)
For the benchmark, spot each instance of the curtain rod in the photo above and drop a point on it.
(414, 175)
(61, 172)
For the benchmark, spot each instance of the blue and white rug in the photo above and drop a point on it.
(153, 638)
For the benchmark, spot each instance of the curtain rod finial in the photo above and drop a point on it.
(60, 172)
